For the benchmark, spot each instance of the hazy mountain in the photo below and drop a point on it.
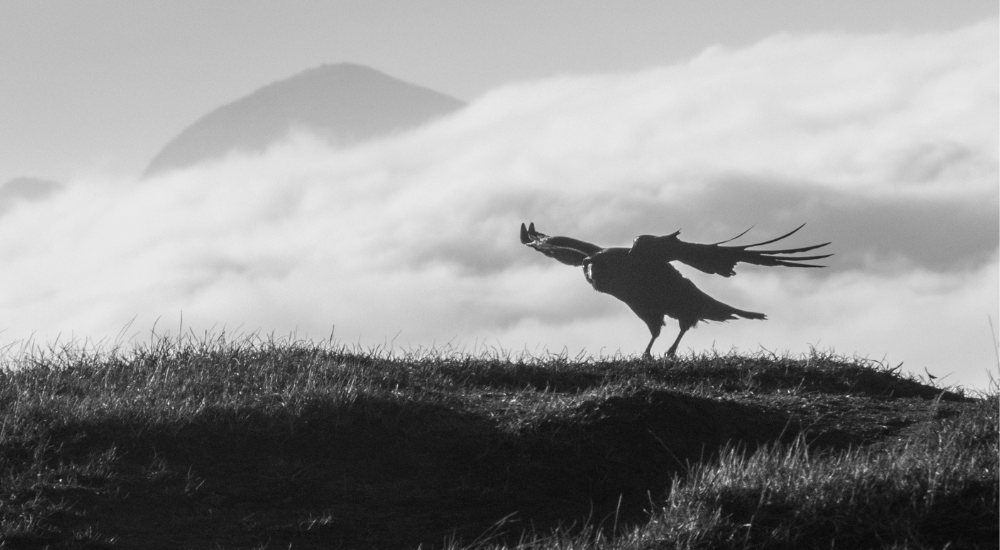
(26, 189)
(344, 103)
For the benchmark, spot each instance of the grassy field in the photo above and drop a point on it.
(263, 443)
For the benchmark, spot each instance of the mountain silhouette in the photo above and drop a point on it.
(26, 189)
(343, 103)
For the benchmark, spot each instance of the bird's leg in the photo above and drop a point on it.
(673, 349)
(654, 331)
(646, 354)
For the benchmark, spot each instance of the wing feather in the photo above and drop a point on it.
(721, 260)
(567, 250)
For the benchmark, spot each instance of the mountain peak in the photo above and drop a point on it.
(345, 103)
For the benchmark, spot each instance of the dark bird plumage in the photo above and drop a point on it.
(643, 278)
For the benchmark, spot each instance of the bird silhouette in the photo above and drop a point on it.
(643, 277)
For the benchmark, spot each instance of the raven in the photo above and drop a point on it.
(643, 278)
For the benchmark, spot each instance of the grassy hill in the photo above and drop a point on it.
(256, 443)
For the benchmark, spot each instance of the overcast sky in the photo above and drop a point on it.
(876, 122)
(101, 86)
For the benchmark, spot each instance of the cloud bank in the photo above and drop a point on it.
(886, 145)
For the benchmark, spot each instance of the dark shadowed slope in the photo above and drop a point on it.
(344, 103)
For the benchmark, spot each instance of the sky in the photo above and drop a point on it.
(874, 122)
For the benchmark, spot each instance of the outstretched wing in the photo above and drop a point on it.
(720, 260)
(565, 249)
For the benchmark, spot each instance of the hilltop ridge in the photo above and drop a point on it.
(262, 444)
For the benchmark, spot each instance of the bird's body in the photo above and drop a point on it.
(654, 289)
(644, 279)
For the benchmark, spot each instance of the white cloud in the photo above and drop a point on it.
(887, 142)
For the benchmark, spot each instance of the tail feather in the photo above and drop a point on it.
(749, 314)
(726, 312)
